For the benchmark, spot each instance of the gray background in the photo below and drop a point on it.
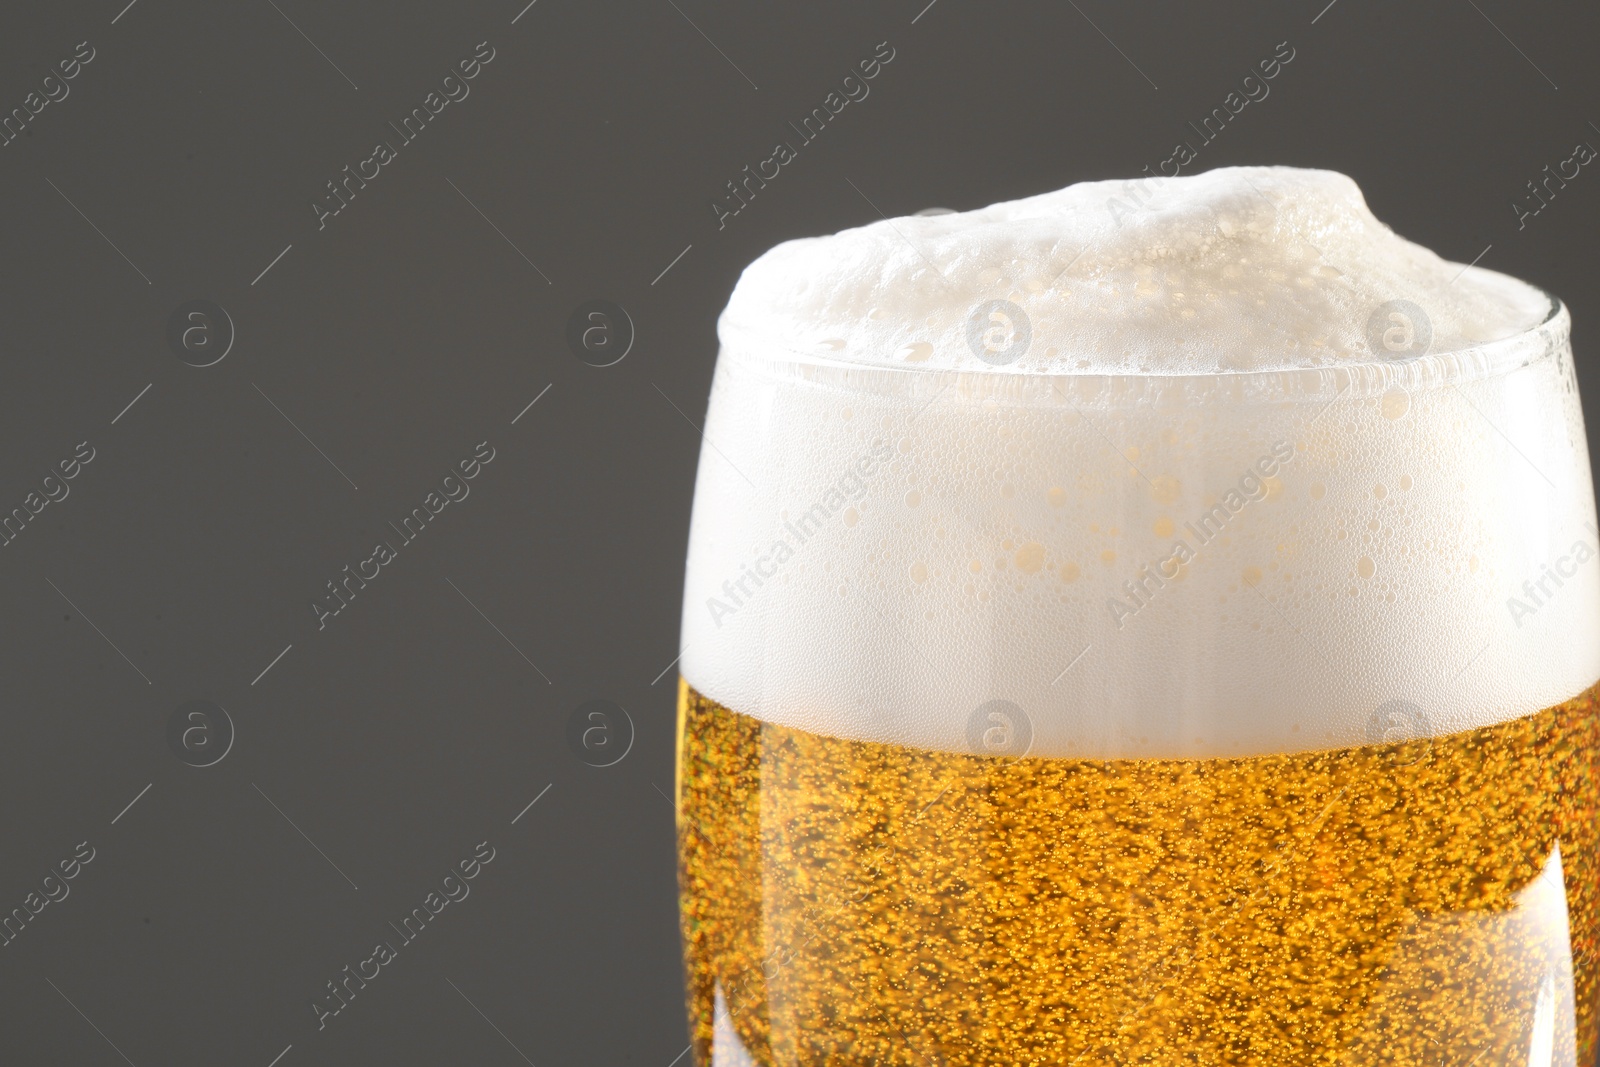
(420, 721)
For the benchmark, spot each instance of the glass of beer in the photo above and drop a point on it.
(1150, 622)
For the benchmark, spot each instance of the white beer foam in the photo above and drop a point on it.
(895, 529)
(1237, 269)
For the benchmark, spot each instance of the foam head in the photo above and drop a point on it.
(1182, 466)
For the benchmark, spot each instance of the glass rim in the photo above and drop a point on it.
(1358, 378)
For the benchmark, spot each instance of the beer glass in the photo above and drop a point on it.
(1039, 713)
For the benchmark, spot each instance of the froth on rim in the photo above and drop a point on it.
(785, 359)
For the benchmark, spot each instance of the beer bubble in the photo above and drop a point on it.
(1030, 557)
(1395, 403)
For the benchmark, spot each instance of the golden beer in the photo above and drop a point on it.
(1151, 623)
(1408, 904)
